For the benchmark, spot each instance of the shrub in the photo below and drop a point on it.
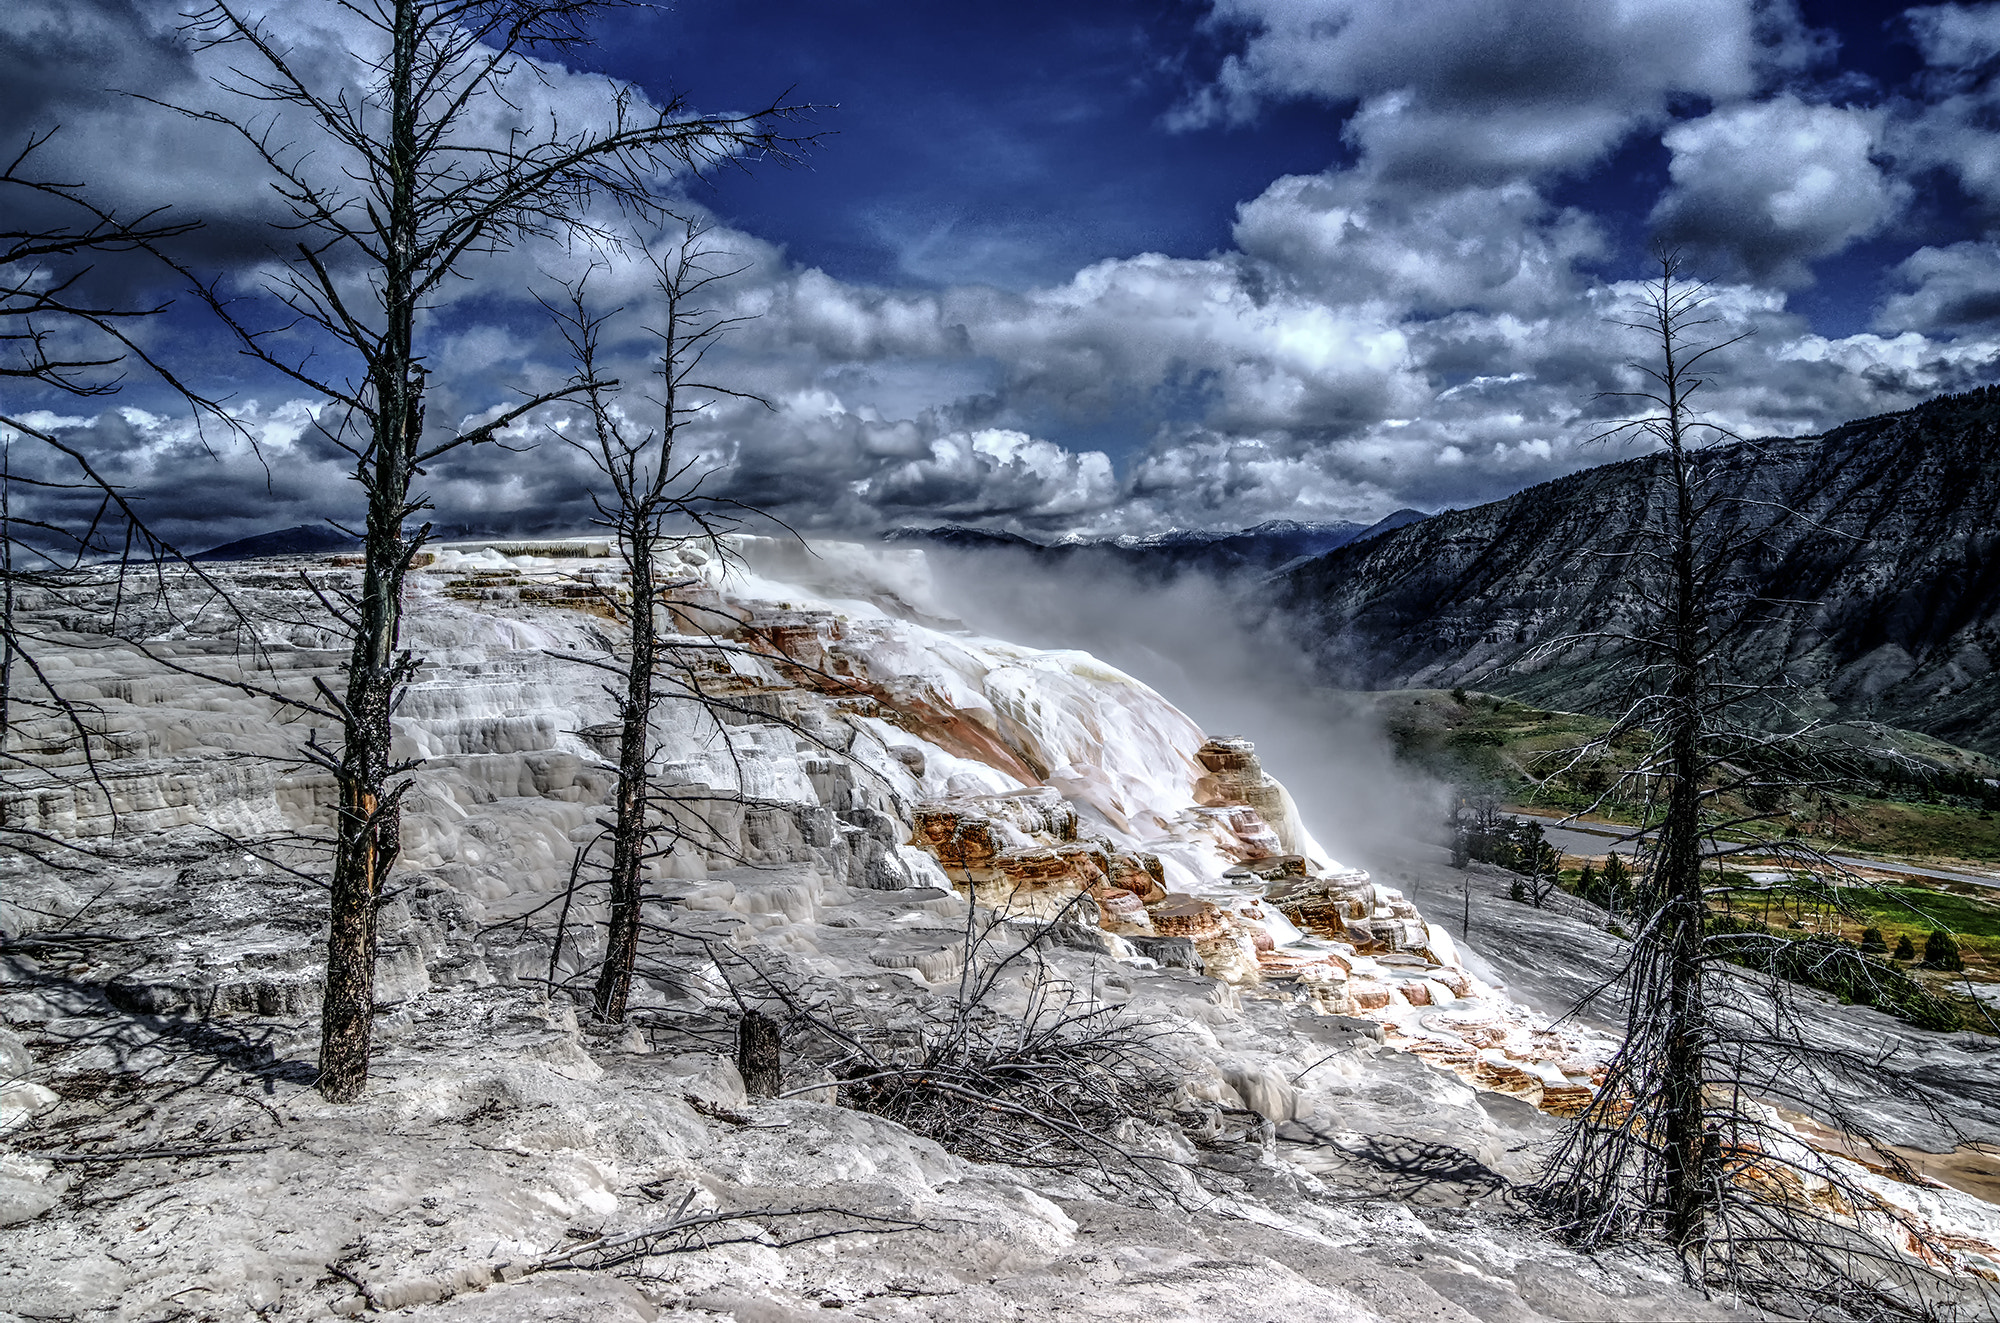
(1872, 942)
(1055, 1081)
(1941, 952)
(1830, 964)
(1905, 949)
(1518, 892)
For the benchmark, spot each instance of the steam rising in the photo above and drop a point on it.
(1217, 652)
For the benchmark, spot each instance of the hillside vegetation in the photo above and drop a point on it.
(1880, 601)
(1900, 793)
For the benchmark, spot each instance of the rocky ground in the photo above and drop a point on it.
(1354, 1096)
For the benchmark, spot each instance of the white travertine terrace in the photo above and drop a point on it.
(874, 765)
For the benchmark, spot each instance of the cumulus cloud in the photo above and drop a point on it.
(1339, 237)
(995, 474)
(1466, 91)
(1765, 189)
(1423, 326)
(1954, 290)
(1251, 356)
(1952, 126)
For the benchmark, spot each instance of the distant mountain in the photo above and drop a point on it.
(1883, 603)
(1267, 547)
(302, 540)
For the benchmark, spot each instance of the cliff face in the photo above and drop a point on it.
(1882, 600)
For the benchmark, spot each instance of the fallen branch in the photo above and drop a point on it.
(686, 1233)
(146, 1154)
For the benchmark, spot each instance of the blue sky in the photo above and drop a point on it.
(1014, 145)
(1119, 267)
(1005, 144)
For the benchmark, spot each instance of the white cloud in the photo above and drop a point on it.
(1339, 237)
(1955, 36)
(1768, 188)
(1953, 127)
(1953, 290)
(1421, 328)
(994, 473)
(1257, 357)
(1458, 91)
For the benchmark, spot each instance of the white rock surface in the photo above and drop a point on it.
(161, 1002)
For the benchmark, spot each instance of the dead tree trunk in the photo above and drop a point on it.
(630, 832)
(1679, 1140)
(1690, 1186)
(655, 503)
(759, 1055)
(412, 185)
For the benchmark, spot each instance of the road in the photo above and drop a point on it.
(1588, 838)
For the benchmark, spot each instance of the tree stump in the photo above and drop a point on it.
(757, 1059)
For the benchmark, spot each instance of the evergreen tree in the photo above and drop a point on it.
(1941, 952)
(1616, 883)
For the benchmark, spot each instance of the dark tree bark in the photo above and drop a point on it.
(1690, 1184)
(759, 1055)
(655, 502)
(410, 206)
(1677, 1141)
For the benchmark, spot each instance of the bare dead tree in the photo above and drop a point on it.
(655, 503)
(394, 189)
(1681, 1139)
(55, 331)
(1014, 1065)
(68, 534)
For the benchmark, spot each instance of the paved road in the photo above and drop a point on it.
(1581, 838)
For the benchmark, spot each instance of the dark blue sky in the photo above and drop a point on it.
(1014, 144)
(1011, 144)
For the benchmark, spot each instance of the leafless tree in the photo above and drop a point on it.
(394, 189)
(66, 528)
(656, 501)
(1679, 1140)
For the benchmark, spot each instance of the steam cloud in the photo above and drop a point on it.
(1222, 657)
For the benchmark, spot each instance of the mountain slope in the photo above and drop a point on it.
(1269, 546)
(300, 540)
(1882, 602)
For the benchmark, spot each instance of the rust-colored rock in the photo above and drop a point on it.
(1235, 777)
(1565, 1099)
(1141, 874)
(1119, 905)
(1505, 1079)
(1276, 868)
(1017, 852)
(1187, 916)
(1369, 995)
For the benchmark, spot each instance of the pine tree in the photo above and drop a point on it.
(1941, 952)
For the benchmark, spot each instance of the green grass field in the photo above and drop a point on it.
(1526, 756)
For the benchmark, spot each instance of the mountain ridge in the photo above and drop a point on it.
(1263, 548)
(1881, 603)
